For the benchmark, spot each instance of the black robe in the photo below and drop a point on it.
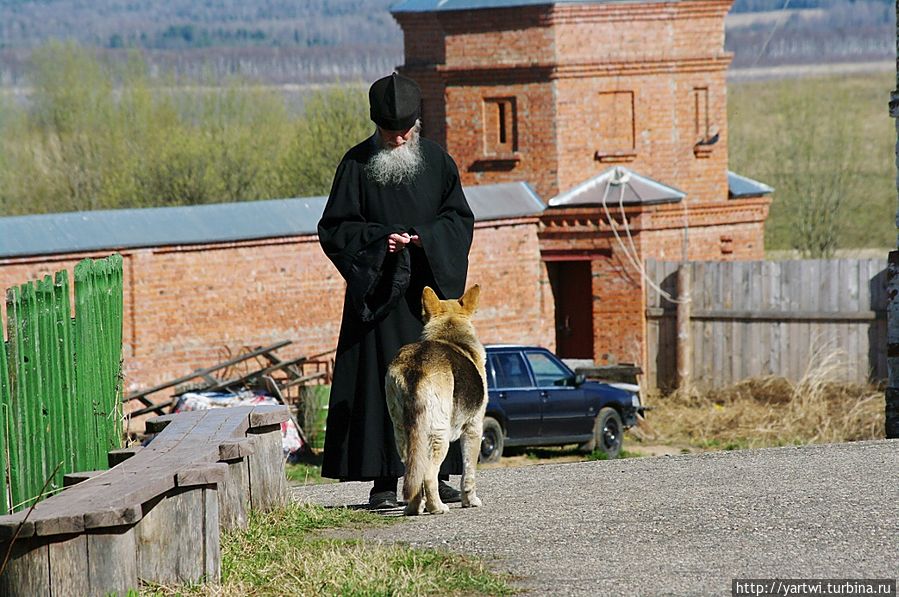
(382, 305)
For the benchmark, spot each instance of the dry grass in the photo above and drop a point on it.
(773, 411)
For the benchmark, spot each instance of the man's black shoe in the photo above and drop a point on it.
(448, 493)
(382, 500)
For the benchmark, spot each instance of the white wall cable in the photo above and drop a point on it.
(621, 179)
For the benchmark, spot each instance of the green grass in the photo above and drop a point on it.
(836, 122)
(308, 471)
(285, 553)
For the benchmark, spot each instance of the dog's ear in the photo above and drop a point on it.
(469, 300)
(430, 303)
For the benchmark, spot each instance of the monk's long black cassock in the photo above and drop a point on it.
(382, 306)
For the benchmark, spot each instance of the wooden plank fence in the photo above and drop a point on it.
(757, 318)
(60, 380)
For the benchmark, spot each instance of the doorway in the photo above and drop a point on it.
(572, 287)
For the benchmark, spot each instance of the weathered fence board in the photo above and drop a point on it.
(757, 318)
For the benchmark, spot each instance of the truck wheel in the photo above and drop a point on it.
(608, 433)
(491, 441)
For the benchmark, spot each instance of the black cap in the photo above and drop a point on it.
(394, 102)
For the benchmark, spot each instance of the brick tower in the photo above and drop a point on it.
(592, 102)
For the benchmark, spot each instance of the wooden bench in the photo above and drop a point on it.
(156, 514)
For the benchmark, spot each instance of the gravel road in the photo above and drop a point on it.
(671, 525)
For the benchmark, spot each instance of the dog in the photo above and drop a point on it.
(437, 393)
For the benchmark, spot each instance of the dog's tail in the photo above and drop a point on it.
(416, 454)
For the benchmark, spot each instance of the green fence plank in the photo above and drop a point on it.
(48, 367)
(17, 417)
(4, 428)
(63, 324)
(38, 419)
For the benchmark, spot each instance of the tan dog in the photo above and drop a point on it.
(437, 393)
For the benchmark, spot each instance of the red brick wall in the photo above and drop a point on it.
(189, 307)
(555, 60)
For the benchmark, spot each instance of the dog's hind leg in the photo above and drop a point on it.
(438, 444)
(470, 441)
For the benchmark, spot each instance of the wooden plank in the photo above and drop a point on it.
(66, 564)
(15, 525)
(879, 302)
(212, 550)
(113, 516)
(157, 424)
(70, 479)
(857, 279)
(775, 351)
(263, 416)
(111, 566)
(234, 495)
(756, 347)
(741, 329)
(268, 481)
(729, 348)
(202, 474)
(60, 524)
(27, 571)
(170, 538)
(234, 449)
(797, 349)
(122, 454)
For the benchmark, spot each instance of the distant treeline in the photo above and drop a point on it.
(288, 42)
(178, 24)
(106, 136)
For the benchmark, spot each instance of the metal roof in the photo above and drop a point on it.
(503, 200)
(78, 232)
(444, 5)
(618, 185)
(740, 186)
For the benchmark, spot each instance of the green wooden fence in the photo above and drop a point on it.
(60, 380)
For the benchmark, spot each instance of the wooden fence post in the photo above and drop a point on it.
(891, 426)
(684, 347)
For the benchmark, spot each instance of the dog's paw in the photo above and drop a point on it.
(438, 508)
(471, 502)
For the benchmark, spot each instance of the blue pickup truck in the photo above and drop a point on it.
(537, 400)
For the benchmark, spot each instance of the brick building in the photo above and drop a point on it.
(616, 113)
(203, 282)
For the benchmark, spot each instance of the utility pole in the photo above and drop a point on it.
(892, 393)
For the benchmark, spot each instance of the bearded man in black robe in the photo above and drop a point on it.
(396, 221)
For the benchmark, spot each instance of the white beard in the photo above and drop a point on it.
(394, 166)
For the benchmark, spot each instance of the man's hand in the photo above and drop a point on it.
(397, 242)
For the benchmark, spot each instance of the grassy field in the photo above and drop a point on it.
(794, 133)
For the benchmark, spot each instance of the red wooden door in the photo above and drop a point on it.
(572, 287)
